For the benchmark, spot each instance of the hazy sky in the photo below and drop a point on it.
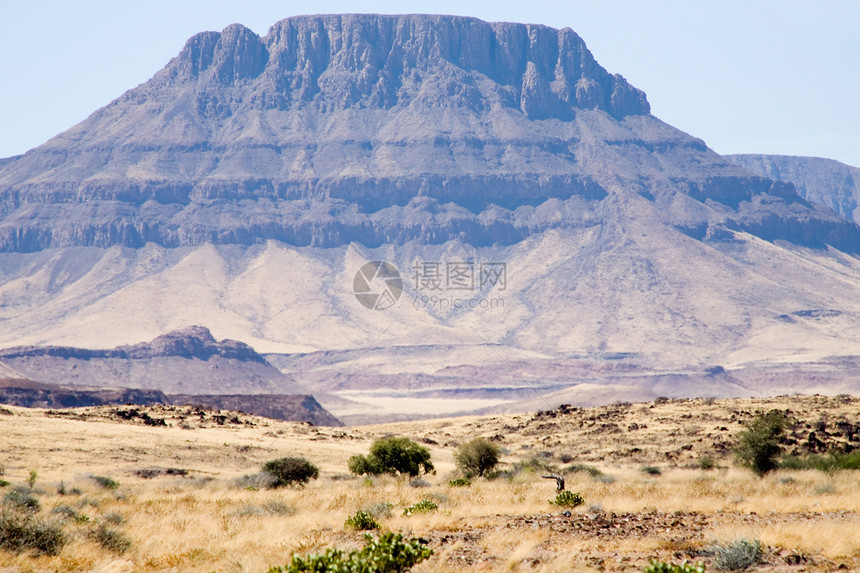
(769, 76)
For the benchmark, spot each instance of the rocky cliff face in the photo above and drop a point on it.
(822, 181)
(375, 130)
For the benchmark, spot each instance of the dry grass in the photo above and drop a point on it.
(203, 522)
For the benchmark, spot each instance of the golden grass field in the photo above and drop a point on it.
(203, 521)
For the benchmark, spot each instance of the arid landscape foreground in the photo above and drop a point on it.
(658, 480)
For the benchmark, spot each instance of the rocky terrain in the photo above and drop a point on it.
(822, 181)
(247, 182)
(182, 367)
(290, 407)
(658, 481)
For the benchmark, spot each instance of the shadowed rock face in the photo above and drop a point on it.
(376, 130)
(823, 181)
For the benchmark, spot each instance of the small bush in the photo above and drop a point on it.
(582, 468)
(741, 554)
(69, 513)
(567, 499)
(31, 480)
(477, 457)
(361, 521)
(22, 498)
(106, 482)
(651, 471)
(423, 506)
(255, 482)
(390, 553)
(21, 532)
(460, 482)
(111, 539)
(291, 471)
(379, 510)
(829, 463)
(759, 443)
(534, 464)
(655, 566)
(707, 463)
(114, 518)
(396, 456)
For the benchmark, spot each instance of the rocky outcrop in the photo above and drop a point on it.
(192, 342)
(186, 361)
(292, 407)
(288, 407)
(31, 394)
(823, 181)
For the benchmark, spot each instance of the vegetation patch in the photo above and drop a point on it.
(738, 555)
(655, 566)
(759, 443)
(423, 506)
(111, 539)
(396, 456)
(390, 553)
(361, 521)
(105, 482)
(290, 471)
(20, 532)
(477, 457)
(567, 499)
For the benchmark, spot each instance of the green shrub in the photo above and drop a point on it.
(390, 553)
(651, 471)
(22, 532)
(707, 463)
(741, 554)
(396, 456)
(477, 457)
(829, 463)
(290, 471)
(22, 498)
(423, 506)
(69, 513)
(655, 566)
(758, 444)
(460, 482)
(577, 468)
(111, 539)
(31, 480)
(106, 482)
(567, 499)
(361, 521)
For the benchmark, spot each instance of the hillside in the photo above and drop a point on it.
(823, 181)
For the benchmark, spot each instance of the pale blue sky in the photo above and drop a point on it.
(769, 76)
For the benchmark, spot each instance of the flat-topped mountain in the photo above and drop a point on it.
(369, 129)
(245, 185)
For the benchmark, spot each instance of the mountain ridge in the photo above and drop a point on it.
(378, 130)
